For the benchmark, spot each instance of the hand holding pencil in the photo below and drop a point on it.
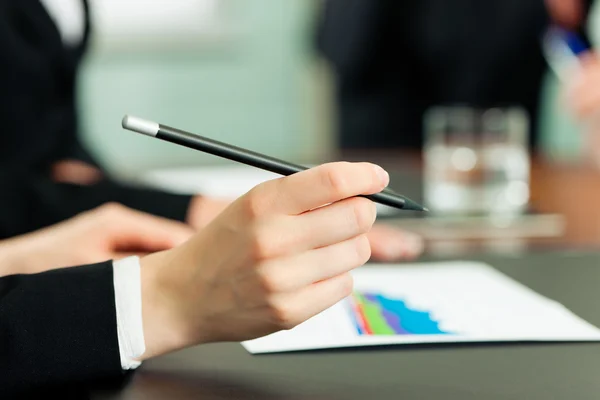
(388, 243)
(176, 136)
(275, 257)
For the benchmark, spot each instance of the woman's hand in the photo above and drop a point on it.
(277, 256)
(108, 232)
(583, 93)
(388, 243)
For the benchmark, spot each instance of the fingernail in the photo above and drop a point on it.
(383, 176)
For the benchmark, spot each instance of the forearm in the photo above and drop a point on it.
(31, 253)
(30, 201)
(15, 258)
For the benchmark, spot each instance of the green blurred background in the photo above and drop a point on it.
(250, 79)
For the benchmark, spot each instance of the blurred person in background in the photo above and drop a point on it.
(393, 60)
(46, 174)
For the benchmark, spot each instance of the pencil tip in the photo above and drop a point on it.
(425, 209)
(413, 205)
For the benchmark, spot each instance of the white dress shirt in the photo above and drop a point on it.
(68, 15)
(128, 302)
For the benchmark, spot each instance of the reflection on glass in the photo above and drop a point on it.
(477, 161)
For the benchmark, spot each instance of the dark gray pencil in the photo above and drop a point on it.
(196, 142)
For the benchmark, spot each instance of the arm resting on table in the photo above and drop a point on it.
(58, 327)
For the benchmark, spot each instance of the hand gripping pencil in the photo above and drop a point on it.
(386, 197)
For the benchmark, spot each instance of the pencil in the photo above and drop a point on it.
(176, 136)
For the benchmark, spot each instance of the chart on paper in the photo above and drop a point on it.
(377, 314)
(432, 303)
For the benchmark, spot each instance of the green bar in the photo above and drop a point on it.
(374, 316)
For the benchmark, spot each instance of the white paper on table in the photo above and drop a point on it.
(228, 182)
(472, 301)
(219, 181)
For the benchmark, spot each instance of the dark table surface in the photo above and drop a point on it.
(472, 371)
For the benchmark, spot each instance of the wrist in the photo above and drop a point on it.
(17, 258)
(164, 324)
(10, 263)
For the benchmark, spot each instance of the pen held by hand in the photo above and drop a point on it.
(248, 157)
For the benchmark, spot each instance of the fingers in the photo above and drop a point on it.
(318, 228)
(315, 187)
(132, 231)
(335, 223)
(583, 95)
(589, 58)
(289, 310)
(302, 270)
(586, 103)
(391, 244)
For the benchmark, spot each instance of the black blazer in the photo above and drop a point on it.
(39, 126)
(58, 328)
(392, 60)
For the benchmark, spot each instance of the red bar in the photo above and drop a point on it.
(365, 323)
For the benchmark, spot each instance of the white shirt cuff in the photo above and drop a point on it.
(128, 301)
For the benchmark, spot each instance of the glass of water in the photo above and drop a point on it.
(477, 161)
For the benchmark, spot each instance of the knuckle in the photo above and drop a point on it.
(262, 245)
(364, 213)
(336, 180)
(346, 285)
(268, 281)
(254, 203)
(363, 249)
(283, 316)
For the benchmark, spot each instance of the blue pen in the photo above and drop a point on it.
(575, 43)
(562, 49)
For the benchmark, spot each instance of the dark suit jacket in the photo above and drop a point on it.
(393, 59)
(39, 126)
(58, 327)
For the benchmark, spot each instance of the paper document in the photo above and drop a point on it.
(218, 181)
(432, 303)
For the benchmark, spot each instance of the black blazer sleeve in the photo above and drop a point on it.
(58, 327)
(30, 201)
